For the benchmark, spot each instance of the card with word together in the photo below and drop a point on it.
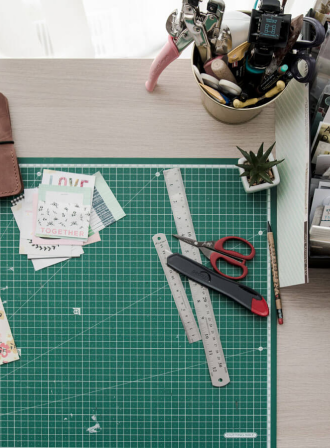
(63, 212)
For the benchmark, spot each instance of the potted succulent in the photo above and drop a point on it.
(258, 171)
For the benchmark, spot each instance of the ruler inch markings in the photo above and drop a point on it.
(201, 296)
(178, 292)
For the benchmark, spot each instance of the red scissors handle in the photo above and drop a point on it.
(227, 254)
(215, 257)
(219, 246)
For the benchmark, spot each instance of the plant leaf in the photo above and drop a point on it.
(266, 178)
(254, 179)
(245, 166)
(245, 174)
(264, 158)
(267, 166)
(245, 154)
(254, 159)
(261, 151)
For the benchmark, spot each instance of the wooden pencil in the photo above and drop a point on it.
(276, 280)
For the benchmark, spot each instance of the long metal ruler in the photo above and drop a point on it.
(177, 289)
(202, 301)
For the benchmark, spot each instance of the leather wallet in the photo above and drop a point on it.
(10, 176)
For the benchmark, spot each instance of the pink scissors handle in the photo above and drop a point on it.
(168, 54)
(220, 247)
(215, 257)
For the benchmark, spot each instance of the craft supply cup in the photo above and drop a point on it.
(224, 113)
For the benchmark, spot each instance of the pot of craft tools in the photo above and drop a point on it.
(240, 69)
(222, 112)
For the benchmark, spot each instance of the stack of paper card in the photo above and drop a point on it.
(64, 214)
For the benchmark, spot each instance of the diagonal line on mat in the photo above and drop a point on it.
(66, 262)
(119, 385)
(85, 331)
(6, 228)
(141, 190)
(250, 239)
(34, 182)
(14, 218)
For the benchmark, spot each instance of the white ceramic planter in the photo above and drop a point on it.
(261, 187)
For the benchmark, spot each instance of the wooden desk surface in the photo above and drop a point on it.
(84, 108)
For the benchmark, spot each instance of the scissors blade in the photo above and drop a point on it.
(189, 241)
(207, 251)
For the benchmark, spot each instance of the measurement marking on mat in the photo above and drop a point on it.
(240, 435)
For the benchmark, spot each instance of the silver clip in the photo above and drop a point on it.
(216, 7)
(225, 42)
(197, 30)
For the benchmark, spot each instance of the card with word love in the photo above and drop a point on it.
(61, 178)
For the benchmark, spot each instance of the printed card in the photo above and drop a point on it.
(61, 178)
(63, 212)
(8, 350)
(26, 206)
(323, 148)
(95, 238)
(64, 179)
(17, 212)
(106, 209)
(322, 11)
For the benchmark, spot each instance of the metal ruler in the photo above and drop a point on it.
(205, 314)
(177, 289)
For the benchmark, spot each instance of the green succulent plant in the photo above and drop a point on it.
(257, 166)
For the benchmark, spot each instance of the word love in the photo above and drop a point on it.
(69, 181)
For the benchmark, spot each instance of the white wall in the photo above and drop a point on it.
(94, 28)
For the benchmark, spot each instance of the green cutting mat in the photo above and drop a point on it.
(125, 364)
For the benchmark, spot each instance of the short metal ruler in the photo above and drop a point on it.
(206, 319)
(177, 289)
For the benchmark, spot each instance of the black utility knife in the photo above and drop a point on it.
(242, 294)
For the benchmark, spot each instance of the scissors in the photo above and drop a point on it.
(302, 64)
(215, 251)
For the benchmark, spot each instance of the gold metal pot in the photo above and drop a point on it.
(227, 114)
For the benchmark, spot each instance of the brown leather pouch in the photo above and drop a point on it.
(10, 176)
